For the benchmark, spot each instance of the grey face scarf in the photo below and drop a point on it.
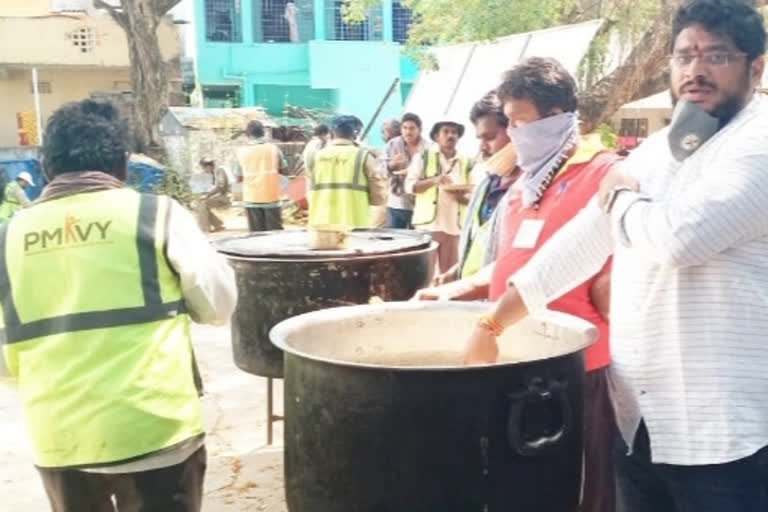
(690, 128)
(542, 147)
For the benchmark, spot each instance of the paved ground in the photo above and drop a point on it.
(243, 473)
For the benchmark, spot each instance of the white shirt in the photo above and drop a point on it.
(689, 305)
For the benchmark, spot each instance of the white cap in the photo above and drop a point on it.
(24, 175)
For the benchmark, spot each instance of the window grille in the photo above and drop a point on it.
(223, 21)
(369, 30)
(83, 39)
(402, 19)
(42, 87)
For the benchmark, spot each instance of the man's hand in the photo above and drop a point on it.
(397, 162)
(457, 290)
(447, 277)
(444, 179)
(481, 348)
(615, 178)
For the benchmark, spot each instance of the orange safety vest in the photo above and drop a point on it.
(260, 164)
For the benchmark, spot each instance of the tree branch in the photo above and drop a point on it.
(161, 7)
(116, 15)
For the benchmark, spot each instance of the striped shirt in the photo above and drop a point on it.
(689, 306)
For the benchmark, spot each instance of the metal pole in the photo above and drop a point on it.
(38, 118)
(270, 416)
(378, 110)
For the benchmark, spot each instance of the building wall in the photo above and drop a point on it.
(66, 85)
(344, 76)
(55, 40)
(24, 7)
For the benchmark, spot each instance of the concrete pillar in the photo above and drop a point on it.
(388, 33)
(319, 20)
(246, 18)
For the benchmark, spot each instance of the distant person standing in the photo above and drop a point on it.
(440, 206)
(291, 11)
(390, 130)
(320, 136)
(260, 164)
(14, 198)
(394, 162)
(218, 197)
(344, 181)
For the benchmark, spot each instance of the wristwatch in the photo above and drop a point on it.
(610, 200)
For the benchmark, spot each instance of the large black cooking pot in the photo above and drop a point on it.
(382, 417)
(278, 277)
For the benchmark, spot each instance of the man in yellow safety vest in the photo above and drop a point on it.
(440, 180)
(344, 181)
(98, 285)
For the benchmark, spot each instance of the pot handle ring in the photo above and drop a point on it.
(538, 392)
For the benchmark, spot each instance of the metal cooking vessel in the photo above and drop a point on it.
(382, 417)
(279, 277)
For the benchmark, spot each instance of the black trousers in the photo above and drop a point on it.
(599, 433)
(176, 488)
(738, 486)
(264, 219)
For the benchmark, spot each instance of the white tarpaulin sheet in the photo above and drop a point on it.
(468, 71)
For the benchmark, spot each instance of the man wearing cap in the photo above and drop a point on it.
(260, 164)
(14, 198)
(218, 197)
(343, 179)
(439, 208)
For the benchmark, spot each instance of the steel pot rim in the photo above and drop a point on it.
(348, 258)
(280, 333)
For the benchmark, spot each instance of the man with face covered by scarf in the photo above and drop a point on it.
(685, 218)
(560, 174)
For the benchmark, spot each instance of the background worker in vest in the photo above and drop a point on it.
(560, 174)
(14, 198)
(344, 181)
(439, 209)
(260, 164)
(103, 358)
(495, 172)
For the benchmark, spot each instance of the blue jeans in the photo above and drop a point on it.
(738, 486)
(399, 219)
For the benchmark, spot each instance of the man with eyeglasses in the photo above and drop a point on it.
(686, 220)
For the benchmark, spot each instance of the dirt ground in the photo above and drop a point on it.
(243, 473)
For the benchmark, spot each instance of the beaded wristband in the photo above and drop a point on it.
(491, 325)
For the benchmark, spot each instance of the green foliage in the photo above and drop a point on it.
(608, 136)
(176, 185)
(444, 21)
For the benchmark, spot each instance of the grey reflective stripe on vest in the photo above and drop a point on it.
(152, 310)
(356, 180)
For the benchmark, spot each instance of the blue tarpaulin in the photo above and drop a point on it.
(144, 174)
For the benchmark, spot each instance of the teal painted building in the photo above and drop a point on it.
(273, 54)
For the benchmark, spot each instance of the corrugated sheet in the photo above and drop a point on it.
(467, 71)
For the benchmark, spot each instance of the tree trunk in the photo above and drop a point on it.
(644, 73)
(149, 76)
(641, 74)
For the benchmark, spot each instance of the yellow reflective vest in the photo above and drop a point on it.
(425, 210)
(10, 204)
(338, 187)
(94, 329)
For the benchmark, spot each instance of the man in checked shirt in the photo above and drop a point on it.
(686, 219)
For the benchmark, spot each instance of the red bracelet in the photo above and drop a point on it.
(491, 325)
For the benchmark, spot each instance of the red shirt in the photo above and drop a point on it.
(568, 193)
